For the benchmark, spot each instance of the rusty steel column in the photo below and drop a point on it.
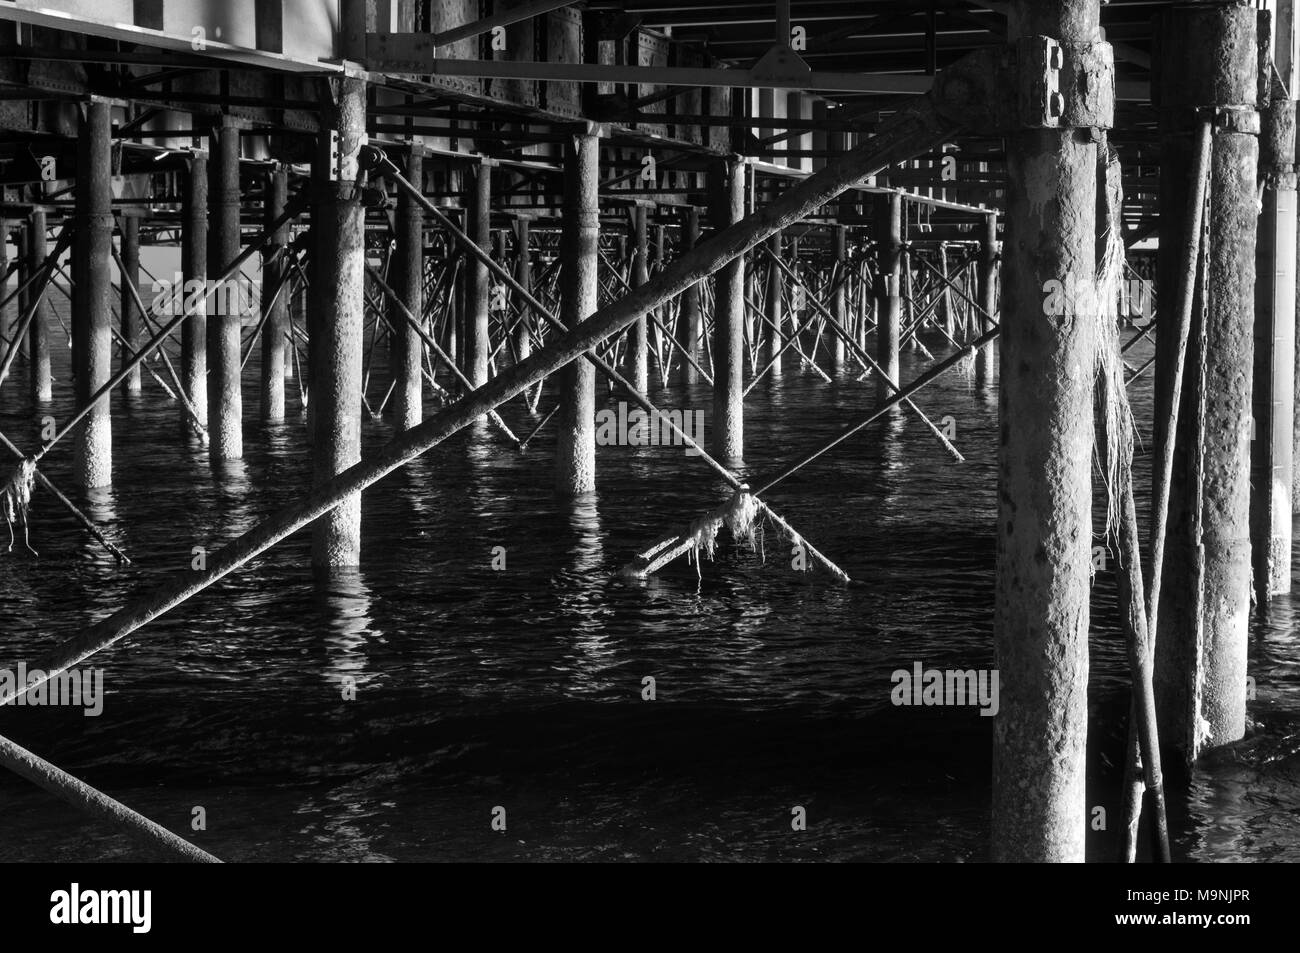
(1208, 60)
(889, 301)
(774, 308)
(988, 298)
(1044, 527)
(524, 275)
(638, 346)
(19, 254)
(92, 330)
(840, 299)
(194, 272)
(727, 194)
(575, 453)
(1275, 363)
(336, 332)
(407, 353)
(225, 307)
(130, 286)
(275, 299)
(689, 320)
(477, 293)
(38, 335)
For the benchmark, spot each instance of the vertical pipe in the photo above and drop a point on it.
(1209, 58)
(225, 400)
(1274, 388)
(194, 271)
(661, 259)
(22, 242)
(688, 323)
(275, 299)
(477, 344)
(524, 275)
(889, 303)
(727, 191)
(988, 298)
(130, 286)
(4, 271)
(575, 457)
(1045, 480)
(92, 332)
(949, 325)
(38, 335)
(774, 307)
(638, 350)
(336, 332)
(866, 303)
(408, 348)
(840, 299)
(783, 27)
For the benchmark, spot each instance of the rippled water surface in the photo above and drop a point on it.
(522, 688)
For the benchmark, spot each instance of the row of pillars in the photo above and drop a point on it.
(1236, 417)
(210, 343)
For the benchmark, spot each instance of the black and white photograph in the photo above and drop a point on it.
(764, 432)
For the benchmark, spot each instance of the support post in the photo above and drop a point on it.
(477, 344)
(194, 271)
(92, 331)
(408, 348)
(225, 399)
(275, 299)
(1275, 354)
(1209, 60)
(774, 307)
(336, 334)
(575, 456)
(727, 188)
(524, 275)
(949, 319)
(889, 301)
(840, 299)
(20, 252)
(1044, 469)
(988, 298)
(689, 320)
(130, 286)
(38, 336)
(638, 345)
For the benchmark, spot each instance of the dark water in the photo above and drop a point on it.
(522, 688)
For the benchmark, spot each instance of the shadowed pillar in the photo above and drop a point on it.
(408, 348)
(727, 193)
(92, 330)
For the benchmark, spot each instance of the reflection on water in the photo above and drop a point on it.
(344, 603)
(518, 681)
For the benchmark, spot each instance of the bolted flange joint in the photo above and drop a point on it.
(1063, 86)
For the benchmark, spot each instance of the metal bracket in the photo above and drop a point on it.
(344, 167)
(781, 66)
(1064, 87)
(1241, 119)
(1040, 103)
